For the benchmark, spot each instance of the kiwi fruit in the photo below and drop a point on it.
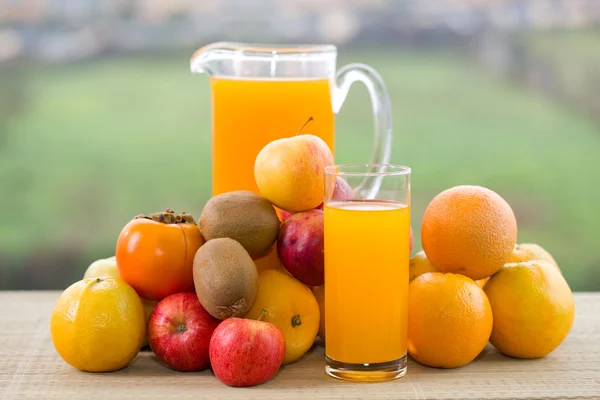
(225, 278)
(243, 216)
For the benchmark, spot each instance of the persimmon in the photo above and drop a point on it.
(155, 253)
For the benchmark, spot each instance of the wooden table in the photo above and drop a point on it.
(30, 368)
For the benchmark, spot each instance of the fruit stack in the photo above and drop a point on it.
(240, 292)
(473, 283)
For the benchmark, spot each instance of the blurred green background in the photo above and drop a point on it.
(87, 143)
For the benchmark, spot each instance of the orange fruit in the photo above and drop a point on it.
(533, 309)
(290, 305)
(529, 252)
(418, 265)
(270, 260)
(449, 320)
(319, 292)
(98, 324)
(469, 230)
(481, 283)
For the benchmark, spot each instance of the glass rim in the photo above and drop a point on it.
(395, 170)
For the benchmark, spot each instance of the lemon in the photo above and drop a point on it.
(149, 306)
(104, 267)
(98, 324)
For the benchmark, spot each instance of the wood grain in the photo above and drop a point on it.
(30, 368)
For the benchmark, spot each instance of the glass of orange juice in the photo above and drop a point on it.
(367, 246)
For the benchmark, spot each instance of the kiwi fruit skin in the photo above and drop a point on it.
(243, 216)
(225, 278)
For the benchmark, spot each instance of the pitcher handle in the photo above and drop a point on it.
(382, 113)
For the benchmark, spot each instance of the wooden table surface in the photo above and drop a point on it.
(30, 368)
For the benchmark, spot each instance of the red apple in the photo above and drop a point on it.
(179, 331)
(245, 352)
(300, 247)
(284, 214)
(341, 192)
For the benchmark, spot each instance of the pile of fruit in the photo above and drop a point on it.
(473, 283)
(242, 291)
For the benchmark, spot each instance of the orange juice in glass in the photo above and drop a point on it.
(367, 246)
(261, 93)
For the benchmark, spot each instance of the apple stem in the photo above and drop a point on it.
(262, 314)
(304, 124)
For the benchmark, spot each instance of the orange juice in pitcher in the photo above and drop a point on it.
(247, 114)
(261, 93)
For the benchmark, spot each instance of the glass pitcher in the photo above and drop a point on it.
(261, 93)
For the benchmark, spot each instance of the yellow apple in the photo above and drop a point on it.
(290, 172)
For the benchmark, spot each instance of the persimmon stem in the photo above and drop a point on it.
(304, 124)
(169, 217)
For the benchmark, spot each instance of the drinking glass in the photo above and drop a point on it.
(367, 246)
